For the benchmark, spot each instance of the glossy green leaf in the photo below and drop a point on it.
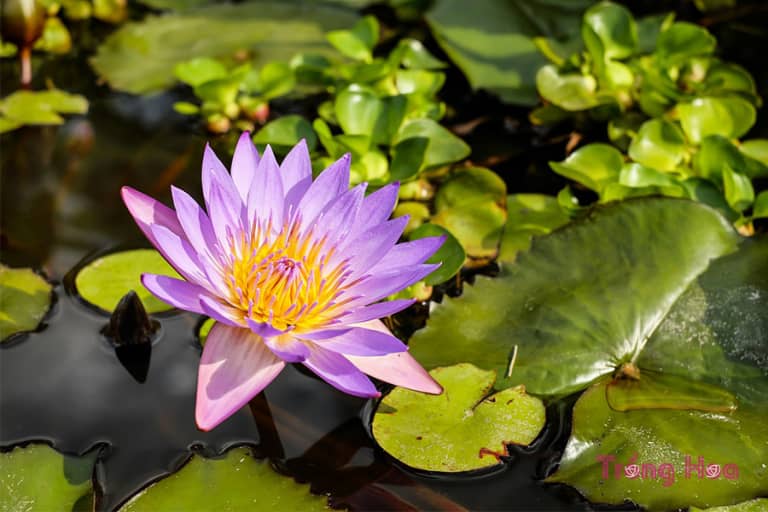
(450, 255)
(417, 212)
(106, 280)
(140, 56)
(41, 107)
(648, 30)
(717, 152)
(275, 79)
(730, 117)
(24, 300)
(233, 483)
(609, 31)
(284, 132)
(738, 190)
(419, 81)
(358, 42)
(407, 157)
(569, 91)
(493, 42)
(659, 391)
(681, 41)
(726, 77)
(358, 110)
(757, 149)
(37, 478)
(200, 70)
(463, 429)
(588, 295)
(528, 216)
(594, 166)
(705, 191)
(760, 208)
(443, 146)
(416, 56)
(638, 176)
(659, 144)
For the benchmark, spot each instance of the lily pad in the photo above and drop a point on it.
(529, 215)
(493, 42)
(37, 478)
(758, 505)
(463, 429)
(588, 295)
(140, 57)
(24, 300)
(106, 280)
(41, 107)
(235, 482)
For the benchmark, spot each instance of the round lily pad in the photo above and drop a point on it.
(104, 281)
(462, 429)
(24, 299)
(233, 483)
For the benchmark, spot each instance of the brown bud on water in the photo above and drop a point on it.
(21, 21)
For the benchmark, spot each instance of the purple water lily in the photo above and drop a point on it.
(292, 270)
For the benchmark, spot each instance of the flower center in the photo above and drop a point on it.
(284, 277)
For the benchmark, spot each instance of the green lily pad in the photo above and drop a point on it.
(235, 482)
(106, 280)
(730, 117)
(451, 254)
(758, 505)
(140, 57)
(528, 216)
(659, 144)
(594, 166)
(493, 42)
(41, 107)
(588, 295)
(463, 429)
(37, 478)
(470, 204)
(24, 300)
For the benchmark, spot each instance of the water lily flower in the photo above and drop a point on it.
(292, 270)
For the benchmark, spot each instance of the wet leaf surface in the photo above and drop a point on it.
(465, 428)
(24, 300)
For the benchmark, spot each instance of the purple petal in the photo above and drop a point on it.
(376, 287)
(148, 212)
(197, 226)
(234, 368)
(371, 246)
(180, 254)
(400, 369)
(338, 217)
(221, 312)
(378, 207)
(296, 173)
(330, 183)
(225, 220)
(266, 197)
(288, 348)
(263, 329)
(359, 341)
(244, 164)
(179, 294)
(215, 176)
(409, 253)
(376, 311)
(337, 371)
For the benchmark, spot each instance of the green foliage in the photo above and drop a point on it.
(464, 428)
(38, 108)
(24, 300)
(674, 107)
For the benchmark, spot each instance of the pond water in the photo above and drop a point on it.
(60, 207)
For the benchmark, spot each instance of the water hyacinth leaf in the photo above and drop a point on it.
(638, 176)
(198, 71)
(450, 255)
(594, 166)
(407, 157)
(760, 208)
(738, 190)
(655, 445)
(659, 144)
(570, 91)
(717, 152)
(38, 478)
(730, 117)
(705, 191)
(471, 205)
(465, 428)
(229, 484)
(418, 81)
(416, 56)
(41, 107)
(757, 149)
(443, 148)
(725, 77)
(106, 280)
(418, 214)
(529, 215)
(358, 42)
(274, 79)
(648, 30)
(573, 297)
(284, 132)
(609, 31)
(682, 41)
(493, 43)
(271, 30)
(24, 300)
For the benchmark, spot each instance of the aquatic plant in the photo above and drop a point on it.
(292, 270)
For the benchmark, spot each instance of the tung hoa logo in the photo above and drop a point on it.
(665, 472)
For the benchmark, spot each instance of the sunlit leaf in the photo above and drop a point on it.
(730, 117)
(659, 144)
(24, 300)
(450, 255)
(594, 166)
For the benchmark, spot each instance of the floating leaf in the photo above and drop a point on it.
(235, 482)
(659, 144)
(493, 42)
(594, 166)
(24, 300)
(528, 215)
(730, 117)
(42, 107)
(587, 295)
(37, 478)
(450, 255)
(106, 280)
(284, 132)
(140, 56)
(758, 505)
(462, 429)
